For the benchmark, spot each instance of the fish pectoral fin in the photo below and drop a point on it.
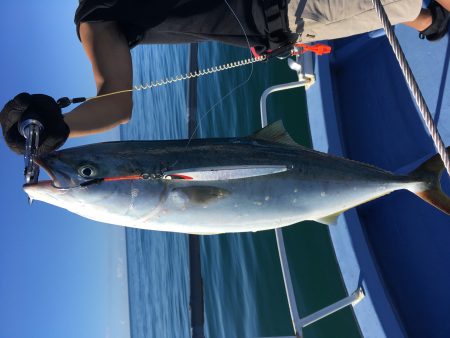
(275, 132)
(330, 219)
(203, 194)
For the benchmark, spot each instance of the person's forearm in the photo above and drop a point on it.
(445, 4)
(109, 53)
(99, 115)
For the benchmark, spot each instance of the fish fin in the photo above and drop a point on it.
(330, 219)
(205, 233)
(430, 172)
(203, 194)
(275, 132)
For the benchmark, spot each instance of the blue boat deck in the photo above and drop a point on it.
(397, 247)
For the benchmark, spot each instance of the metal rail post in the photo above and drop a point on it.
(352, 299)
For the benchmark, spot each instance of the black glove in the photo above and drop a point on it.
(39, 107)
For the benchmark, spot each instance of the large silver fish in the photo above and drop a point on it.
(213, 186)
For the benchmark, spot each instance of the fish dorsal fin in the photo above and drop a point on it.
(275, 132)
(330, 219)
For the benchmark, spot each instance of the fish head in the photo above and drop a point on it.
(120, 202)
(96, 185)
(80, 165)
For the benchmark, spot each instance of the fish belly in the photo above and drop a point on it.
(258, 203)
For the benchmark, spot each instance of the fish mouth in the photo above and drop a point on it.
(44, 183)
(58, 178)
(50, 190)
(49, 172)
(62, 175)
(41, 191)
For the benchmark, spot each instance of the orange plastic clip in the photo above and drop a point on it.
(318, 49)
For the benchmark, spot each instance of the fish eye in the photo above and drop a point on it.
(87, 171)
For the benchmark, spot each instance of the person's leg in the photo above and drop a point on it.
(432, 23)
(422, 22)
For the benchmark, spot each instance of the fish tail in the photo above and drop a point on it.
(430, 173)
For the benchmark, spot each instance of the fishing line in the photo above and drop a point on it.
(232, 90)
(236, 87)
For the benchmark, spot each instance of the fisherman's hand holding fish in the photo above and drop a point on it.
(39, 107)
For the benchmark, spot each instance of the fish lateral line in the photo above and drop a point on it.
(199, 174)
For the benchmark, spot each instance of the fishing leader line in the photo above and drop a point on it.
(257, 59)
(251, 60)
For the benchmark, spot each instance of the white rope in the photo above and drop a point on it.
(413, 86)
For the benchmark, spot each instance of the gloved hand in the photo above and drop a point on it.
(39, 107)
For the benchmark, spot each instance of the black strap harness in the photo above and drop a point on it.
(280, 40)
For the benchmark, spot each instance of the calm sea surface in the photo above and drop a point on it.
(244, 292)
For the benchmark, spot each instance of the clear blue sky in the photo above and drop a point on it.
(62, 276)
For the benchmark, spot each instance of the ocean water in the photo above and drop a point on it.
(243, 286)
